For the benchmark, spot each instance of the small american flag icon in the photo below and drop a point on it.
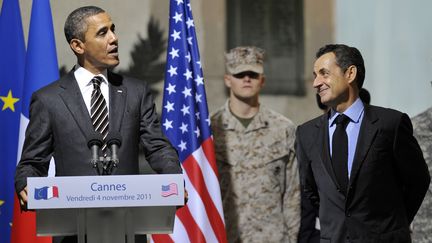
(169, 190)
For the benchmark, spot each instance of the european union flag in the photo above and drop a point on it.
(41, 193)
(11, 80)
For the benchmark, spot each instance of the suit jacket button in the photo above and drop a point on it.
(338, 189)
(348, 215)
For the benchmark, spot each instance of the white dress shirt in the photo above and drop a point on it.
(84, 77)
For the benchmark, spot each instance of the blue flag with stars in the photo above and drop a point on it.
(12, 63)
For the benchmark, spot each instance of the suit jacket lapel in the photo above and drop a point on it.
(367, 134)
(117, 101)
(319, 146)
(74, 101)
(323, 144)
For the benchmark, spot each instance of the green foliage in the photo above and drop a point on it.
(145, 56)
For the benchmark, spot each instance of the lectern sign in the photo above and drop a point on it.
(105, 191)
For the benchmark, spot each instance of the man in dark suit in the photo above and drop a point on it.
(61, 115)
(367, 174)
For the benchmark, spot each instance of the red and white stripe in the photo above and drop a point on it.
(202, 219)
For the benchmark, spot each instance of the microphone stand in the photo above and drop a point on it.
(95, 143)
(104, 165)
(111, 163)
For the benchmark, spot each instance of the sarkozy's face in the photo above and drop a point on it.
(330, 82)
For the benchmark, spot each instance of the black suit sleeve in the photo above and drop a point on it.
(411, 166)
(160, 154)
(308, 232)
(37, 149)
(309, 195)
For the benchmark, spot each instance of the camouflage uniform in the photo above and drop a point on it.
(258, 176)
(422, 226)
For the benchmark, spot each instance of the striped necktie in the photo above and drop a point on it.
(99, 110)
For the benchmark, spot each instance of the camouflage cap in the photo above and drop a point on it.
(244, 58)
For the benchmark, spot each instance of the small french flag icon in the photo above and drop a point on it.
(46, 192)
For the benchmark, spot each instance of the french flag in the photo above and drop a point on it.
(46, 192)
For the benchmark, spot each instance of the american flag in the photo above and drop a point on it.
(169, 190)
(186, 123)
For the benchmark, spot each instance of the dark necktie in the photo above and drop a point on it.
(99, 110)
(340, 151)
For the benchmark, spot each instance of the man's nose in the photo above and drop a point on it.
(317, 82)
(113, 38)
(247, 78)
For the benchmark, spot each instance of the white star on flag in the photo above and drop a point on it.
(172, 71)
(199, 80)
(176, 35)
(178, 17)
(182, 145)
(167, 124)
(185, 110)
(188, 74)
(187, 92)
(190, 23)
(174, 53)
(183, 128)
(198, 97)
(197, 132)
(169, 106)
(188, 57)
(170, 88)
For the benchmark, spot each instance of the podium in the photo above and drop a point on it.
(109, 209)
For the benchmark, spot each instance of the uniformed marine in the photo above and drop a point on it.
(422, 226)
(255, 155)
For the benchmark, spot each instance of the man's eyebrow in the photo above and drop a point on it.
(103, 29)
(323, 70)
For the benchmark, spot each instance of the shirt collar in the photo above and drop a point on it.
(231, 123)
(354, 112)
(84, 77)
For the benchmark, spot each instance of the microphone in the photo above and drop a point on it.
(114, 143)
(95, 143)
